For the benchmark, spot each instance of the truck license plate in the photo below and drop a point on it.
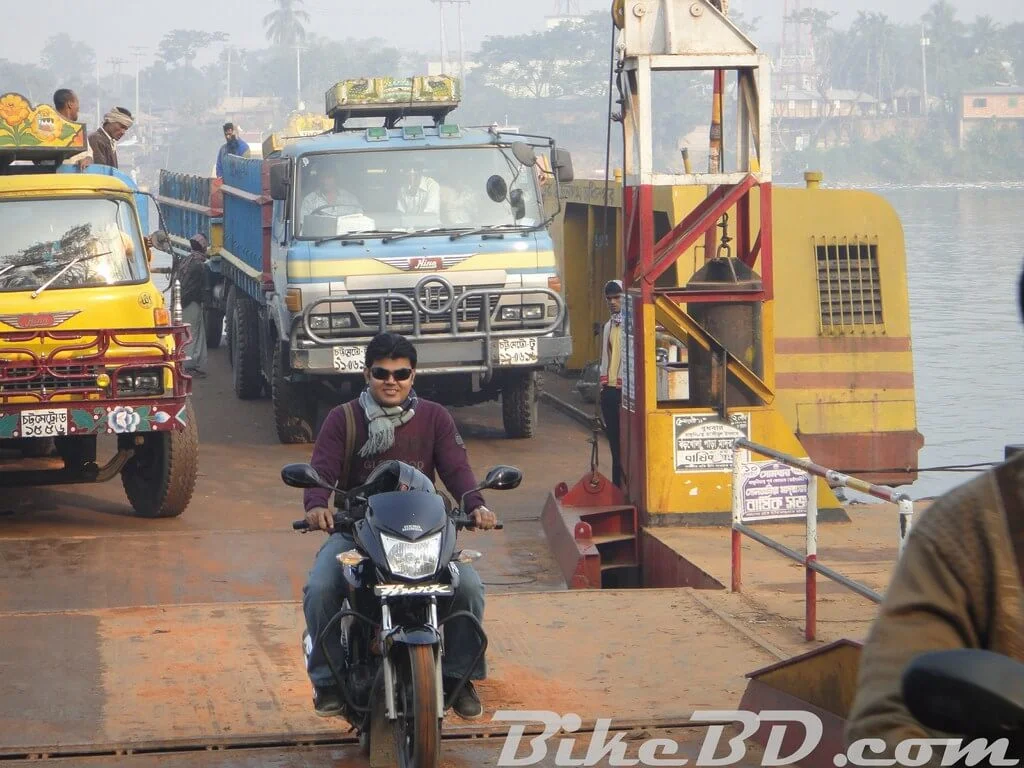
(517, 351)
(50, 422)
(349, 359)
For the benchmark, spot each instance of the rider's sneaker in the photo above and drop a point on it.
(467, 704)
(326, 702)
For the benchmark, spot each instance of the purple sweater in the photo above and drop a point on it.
(429, 442)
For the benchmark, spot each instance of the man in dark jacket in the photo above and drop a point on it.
(193, 304)
(388, 421)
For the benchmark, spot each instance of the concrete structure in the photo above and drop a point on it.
(1002, 104)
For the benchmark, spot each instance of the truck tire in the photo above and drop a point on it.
(229, 326)
(214, 327)
(519, 394)
(160, 478)
(294, 405)
(248, 379)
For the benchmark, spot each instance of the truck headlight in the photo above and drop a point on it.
(533, 312)
(342, 321)
(412, 559)
(320, 322)
(146, 382)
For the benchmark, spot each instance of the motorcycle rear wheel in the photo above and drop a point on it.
(418, 730)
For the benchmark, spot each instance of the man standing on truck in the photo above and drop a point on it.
(103, 141)
(65, 101)
(233, 145)
(193, 301)
(388, 421)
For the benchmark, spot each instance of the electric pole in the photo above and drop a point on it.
(925, 42)
(138, 51)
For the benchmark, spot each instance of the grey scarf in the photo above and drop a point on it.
(382, 422)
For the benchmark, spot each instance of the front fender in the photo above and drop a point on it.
(422, 635)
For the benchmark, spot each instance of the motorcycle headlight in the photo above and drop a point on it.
(412, 559)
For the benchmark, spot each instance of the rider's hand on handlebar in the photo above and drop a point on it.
(484, 519)
(320, 519)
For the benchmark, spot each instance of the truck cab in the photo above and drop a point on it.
(89, 349)
(406, 223)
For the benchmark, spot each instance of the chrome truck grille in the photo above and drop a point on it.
(401, 313)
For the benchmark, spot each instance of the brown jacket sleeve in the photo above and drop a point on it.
(941, 597)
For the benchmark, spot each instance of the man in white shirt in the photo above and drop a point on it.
(329, 198)
(419, 195)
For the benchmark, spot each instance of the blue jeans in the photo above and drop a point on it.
(325, 591)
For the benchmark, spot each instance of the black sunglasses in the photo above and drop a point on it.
(383, 374)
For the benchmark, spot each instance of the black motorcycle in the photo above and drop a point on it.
(969, 692)
(390, 682)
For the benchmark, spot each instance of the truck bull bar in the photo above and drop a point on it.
(72, 368)
(810, 559)
(423, 304)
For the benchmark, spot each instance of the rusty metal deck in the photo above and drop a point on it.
(93, 681)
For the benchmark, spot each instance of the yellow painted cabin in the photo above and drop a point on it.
(843, 364)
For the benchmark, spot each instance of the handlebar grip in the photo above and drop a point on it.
(300, 525)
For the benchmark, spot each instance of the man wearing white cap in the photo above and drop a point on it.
(103, 140)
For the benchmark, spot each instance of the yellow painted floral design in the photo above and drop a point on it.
(14, 109)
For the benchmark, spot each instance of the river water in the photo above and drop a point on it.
(964, 255)
(964, 258)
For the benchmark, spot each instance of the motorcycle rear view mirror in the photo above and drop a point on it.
(301, 476)
(503, 478)
(967, 691)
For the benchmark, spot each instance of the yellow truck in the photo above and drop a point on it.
(91, 354)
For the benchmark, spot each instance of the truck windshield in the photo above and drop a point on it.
(42, 237)
(412, 191)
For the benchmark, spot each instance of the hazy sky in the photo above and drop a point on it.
(411, 23)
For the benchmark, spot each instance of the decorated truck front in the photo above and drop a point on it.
(432, 230)
(88, 349)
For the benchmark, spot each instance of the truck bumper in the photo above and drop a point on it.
(442, 357)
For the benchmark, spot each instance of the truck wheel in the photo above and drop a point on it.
(519, 403)
(160, 478)
(248, 378)
(229, 326)
(294, 405)
(214, 327)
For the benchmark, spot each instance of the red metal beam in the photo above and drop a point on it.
(699, 222)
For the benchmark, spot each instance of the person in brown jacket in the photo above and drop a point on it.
(103, 141)
(957, 585)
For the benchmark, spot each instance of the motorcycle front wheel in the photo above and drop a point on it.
(418, 730)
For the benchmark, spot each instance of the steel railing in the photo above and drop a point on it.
(809, 559)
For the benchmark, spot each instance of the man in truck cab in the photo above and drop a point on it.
(419, 194)
(388, 421)
(956, 585)
(327, 197)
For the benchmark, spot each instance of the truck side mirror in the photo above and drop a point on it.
(561, 164)
(279, 179)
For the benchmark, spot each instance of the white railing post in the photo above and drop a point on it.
(737, 514)
(906, 519)
(810, 576)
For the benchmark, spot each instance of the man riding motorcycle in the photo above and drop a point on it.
(389, 422)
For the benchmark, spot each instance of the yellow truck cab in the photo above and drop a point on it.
(90, 353)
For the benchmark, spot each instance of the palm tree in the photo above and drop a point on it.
(285, 25)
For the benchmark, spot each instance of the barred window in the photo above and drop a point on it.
(849, 285)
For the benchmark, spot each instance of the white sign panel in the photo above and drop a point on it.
(49, 422)
(517, 351)
(703, 443)
(349, 359)
(773, 490)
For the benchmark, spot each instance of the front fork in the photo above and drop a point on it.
(389, 668)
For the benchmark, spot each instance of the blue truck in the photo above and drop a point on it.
(391, 219)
